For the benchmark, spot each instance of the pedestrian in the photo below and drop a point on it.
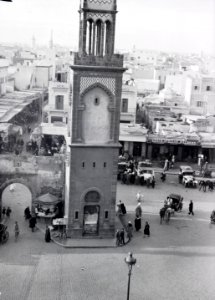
(117, 238)
(32, 222)
(138, 211)
(119, 210)
(123, 208)
(8, 212)
(153, 182)
(3, 212)
(139, 197)
(162, 214)
(12, 188)
(147, 229)
(122, 236)
(191, 208)
(47, 234)
(129, 230)
(16, 231)
(172, 161)
(137, 223)
(27, 213)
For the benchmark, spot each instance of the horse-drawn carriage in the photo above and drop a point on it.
(173, 202)
(4, 234)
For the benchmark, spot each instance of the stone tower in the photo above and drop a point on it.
(97, 84)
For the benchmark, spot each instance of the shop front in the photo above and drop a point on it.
(184, 148)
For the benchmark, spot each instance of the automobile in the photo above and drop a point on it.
(144, 173)
(189, 181)
(144, 163)
(184, 171)
(122, 166)
(177, 201)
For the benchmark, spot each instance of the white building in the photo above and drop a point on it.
(3, 76)
(128, 103)
(58, 107)
(200, 94)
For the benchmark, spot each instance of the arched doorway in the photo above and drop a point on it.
(91, 213)
(17, 196)
(17, 193)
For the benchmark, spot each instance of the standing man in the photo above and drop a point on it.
(8, 212)
(123, 208)
(16, 231)
(122, 236)
(3, 212)
(32, 222)
(191, 208)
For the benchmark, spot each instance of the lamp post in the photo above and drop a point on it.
(130, 261)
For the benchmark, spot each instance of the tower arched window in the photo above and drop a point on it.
(89, 37)
(107, 39)
(99, 37)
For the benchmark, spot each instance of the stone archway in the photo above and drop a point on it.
(23, 181)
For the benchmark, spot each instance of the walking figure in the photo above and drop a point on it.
(3, 212)
(117, 238)
(32, 222)
(129, 230)
(122, 236)
(16, 231)
(147, 229)
(47, 234)
(191, 208)
(8, 212)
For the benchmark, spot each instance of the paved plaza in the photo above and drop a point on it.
(176, 262)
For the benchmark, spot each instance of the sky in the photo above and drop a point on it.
(167, 25)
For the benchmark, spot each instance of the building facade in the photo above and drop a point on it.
(200, 94)
(97, 85)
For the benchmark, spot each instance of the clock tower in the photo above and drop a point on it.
(97, 84)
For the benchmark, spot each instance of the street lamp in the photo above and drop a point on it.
(130, 261)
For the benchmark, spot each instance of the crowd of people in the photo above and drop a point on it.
(128, 228)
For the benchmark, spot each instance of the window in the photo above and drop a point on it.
(105, 164)
(195, 87)
(56, 119)
(124, 105)
(61, 77)
(199, 104)
(59, 102)
(106, 214)
(94, 165)
(83, 164)
(96, 101)
(208, 88)
(76, 215)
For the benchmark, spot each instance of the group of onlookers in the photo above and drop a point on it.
(129, 228)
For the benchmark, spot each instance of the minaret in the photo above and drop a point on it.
(97, 84)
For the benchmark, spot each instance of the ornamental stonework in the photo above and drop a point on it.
(101, 1)
(109, 83)
(102, 16)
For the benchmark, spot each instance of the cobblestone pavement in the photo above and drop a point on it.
(176, 262)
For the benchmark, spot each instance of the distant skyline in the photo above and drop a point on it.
(168, 25)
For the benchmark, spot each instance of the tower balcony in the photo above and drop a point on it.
(115, 60)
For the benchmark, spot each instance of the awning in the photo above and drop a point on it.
(48, 199)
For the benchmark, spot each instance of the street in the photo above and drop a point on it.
(176, 262)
